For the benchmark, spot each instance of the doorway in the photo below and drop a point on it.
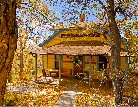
(103, 62)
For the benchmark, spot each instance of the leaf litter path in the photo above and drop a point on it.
(29, 86)
(77, 88)
(78, 94)
(68, 97)
(73, 95)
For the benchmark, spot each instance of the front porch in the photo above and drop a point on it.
(77, 68)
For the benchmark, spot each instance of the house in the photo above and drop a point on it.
(78, 46)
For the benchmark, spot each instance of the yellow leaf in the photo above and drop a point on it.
(94, 5)
(1, 44)
(5, 45)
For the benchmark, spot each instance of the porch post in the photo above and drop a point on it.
(126, 69)
(61, 62)
(73, 66)
(42, 61)
(97, 63)
(60, 68)
(127, 57)
(126, 63)
(90, 70)
(47, 61)
(83, 64)
(35, 67)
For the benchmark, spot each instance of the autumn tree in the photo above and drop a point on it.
(23, 61)
(36, 22)
(8, 41)
(132, 47)
(35, 16)
(28, 14)
(108, 11)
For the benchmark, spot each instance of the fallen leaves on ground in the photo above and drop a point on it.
(105, 97)
(40, 95)
(95, 97)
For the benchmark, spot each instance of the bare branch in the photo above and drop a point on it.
(122, 11)
(101, 3)
(38, 11)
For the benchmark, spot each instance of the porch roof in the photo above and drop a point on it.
(76, 50)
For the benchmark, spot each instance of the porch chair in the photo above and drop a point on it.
(78, 72)
(44, 73)
(65, 72)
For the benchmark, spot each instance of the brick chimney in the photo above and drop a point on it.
(82, 17)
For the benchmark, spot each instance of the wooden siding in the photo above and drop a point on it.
(94, 59)
(50, 61)
(95, 74)
(67, 61)
(110, 61)
(123, 63)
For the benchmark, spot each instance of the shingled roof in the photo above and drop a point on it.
(77, 50)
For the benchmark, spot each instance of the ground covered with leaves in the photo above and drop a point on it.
(95, 97)
(32, 94)
(104, 96)
(42, 94)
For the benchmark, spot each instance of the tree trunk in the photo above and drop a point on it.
(21, 60)
(8, 40)
(115, 53)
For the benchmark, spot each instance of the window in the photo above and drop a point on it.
(56, 61)
(56, 64)
(102, 62)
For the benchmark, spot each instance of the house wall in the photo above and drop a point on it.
(67, 63)
(123, 63)
(94, 64)
(95, 74)
(110, 61)
(50, 61)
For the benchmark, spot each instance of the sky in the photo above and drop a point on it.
(61, 7)
(40, 28)
(37, 24)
